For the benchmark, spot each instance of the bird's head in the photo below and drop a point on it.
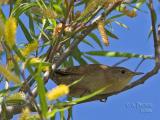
(123, 74)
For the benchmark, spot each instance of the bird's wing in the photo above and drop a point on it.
(68, 71)
(80, 70)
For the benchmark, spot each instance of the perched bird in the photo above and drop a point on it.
(94, 77)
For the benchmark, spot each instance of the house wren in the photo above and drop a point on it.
(94, 77)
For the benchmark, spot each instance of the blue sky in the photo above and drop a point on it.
(141, 102)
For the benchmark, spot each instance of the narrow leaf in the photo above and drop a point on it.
(118, 54)
(25, 31)
(96, 39)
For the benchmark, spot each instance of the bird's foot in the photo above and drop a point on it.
(103, 100)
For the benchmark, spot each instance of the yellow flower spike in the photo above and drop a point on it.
(45, 68)
(27, 50)
(57, 92)
(103, 32)
(25, 114)
(31, 61)
(34, 60)
(10, 31)
(30, 48)
(7, 74)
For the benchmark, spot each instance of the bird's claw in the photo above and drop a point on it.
(103, 100)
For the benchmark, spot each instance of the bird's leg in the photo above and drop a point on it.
(103, 100)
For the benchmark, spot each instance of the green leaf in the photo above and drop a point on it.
(25, 31)
(18, 3)
(96, 39)
(70, 112)
(41, 93)
(78, 56)
(80, 60)
(9, 89)
(91, 59)
(139, 4)
(17, 11)
(121, 24)
(3, 17)
(88, 43)
(55, 110)
(31, 25)
(62, 115)
(18, 53)
(111, 19)
(90, 95)
(70, 61)
(58, 9)
(117, 54)
(111, 34)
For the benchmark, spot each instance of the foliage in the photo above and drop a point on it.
(51, 27)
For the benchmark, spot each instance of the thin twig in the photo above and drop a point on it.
(120, 62)
(140, 63)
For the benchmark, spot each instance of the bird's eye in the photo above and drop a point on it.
(123, 71)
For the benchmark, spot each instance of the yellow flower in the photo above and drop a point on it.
(7, 74)
(101, 28)
(30, 48)
(10, 31)
(25, 114)
(57, 92)
(34, 60)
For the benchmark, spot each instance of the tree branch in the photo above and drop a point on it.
(91, 27)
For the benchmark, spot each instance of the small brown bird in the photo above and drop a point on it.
(94, 77)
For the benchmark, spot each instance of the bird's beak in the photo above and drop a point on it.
(138, 73)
